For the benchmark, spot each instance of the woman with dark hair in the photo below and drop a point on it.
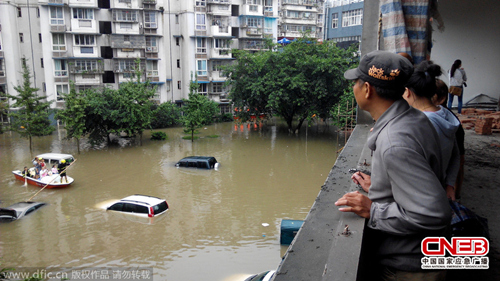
(457, 79)
(420, 90)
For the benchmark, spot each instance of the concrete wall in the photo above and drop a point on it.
(471, 34)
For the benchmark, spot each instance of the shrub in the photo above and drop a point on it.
(158, 136)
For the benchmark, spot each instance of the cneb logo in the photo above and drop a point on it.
(459, 246)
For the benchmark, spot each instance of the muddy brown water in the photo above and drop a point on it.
(213, 230)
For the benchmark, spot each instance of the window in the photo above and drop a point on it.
(268, 25)
(85, 65)
(37, 12)
(61, 90)
(40, 37)
(126, 38)
(41, 62)
(83, 14)
(21, 38)
(152, 68)
(126, 15)
(202, 90)
(179, 85)
(84, 40)
(177, 41)
(151, 44)
(19, 13)
(56, 15)
(201, 67)
(200, 22)
(218, 88)
(201, 45)
(254, 22)
(126, 65)
(178, 63)
(352, 18)
(177, 19)
(201, 3)
(335, 20)
(253, 2)
(58, 42)
(60, 68)
(292, 14)
(216, 65)
(150, 19)
(221, 43)
(253, 8)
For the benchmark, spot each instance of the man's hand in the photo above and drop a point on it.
(450, 192)
(362, 179)
(357, 202)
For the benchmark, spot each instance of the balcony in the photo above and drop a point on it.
(219, 10)
(222, 53)
(254, 31)
(149, 2)
(219, 30)
(90, 68)
(58, 28)
(219, 2)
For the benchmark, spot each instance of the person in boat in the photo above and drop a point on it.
(54, 169)
(42, 163)
(25, 172)
(61, 169)
(38, 168)
(44, 172)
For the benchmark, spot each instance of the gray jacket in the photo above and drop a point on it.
(409, 200)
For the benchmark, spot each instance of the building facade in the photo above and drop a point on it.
(298, 17)
(344, 21)
(95, 43)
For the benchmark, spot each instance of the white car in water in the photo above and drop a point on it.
(140, 205)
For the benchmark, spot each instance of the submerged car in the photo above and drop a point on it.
(201, 162)
(19, 210)
(140, 205)
(263, 276)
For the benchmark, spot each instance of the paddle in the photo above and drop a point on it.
(51, 181)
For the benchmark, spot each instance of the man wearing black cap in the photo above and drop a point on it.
(406, 200)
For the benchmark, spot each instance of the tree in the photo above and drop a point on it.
(99, 122)
(4, 108)
(73, 115)
(297, 81)
(32, 117)
(133, 113)
(165, 115)
(198, 111)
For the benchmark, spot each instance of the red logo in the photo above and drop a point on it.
(459, 246)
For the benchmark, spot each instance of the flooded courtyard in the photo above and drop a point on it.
(214, 227)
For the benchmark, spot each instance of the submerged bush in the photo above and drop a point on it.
(158, 136)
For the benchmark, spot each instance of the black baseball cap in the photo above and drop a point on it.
(383, 69)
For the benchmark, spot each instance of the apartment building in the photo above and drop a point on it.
(301, 16)
(95, 43)
(344, 21)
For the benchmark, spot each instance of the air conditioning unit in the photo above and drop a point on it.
(149, 49)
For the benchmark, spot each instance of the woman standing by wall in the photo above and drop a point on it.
(457, 79)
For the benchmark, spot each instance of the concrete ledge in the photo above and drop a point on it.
(320, 251)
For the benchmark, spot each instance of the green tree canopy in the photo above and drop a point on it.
(73, 114)
(198, 111)
(133, 112)
(30, 116)
(296, 81)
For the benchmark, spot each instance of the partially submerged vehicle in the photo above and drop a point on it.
(18, 210)
(140, 205)
(51, 180)
(201, 162)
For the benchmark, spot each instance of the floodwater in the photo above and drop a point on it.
(214, 227)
